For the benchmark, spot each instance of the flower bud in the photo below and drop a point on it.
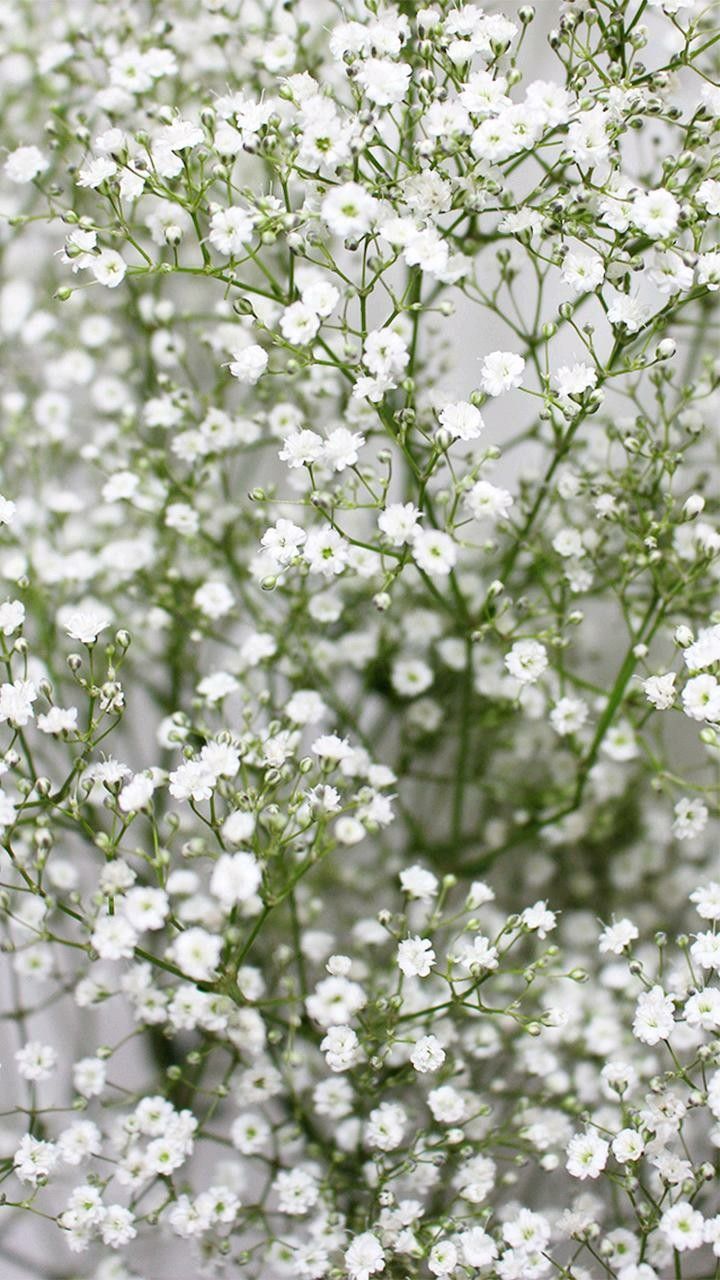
(693, 505)
(666, 349)
(683, 636)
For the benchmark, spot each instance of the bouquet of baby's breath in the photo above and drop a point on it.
(360, 640)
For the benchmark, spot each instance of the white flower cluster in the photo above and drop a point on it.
(359, 564)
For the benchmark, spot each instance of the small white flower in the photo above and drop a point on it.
(569, 544)
(36, 1061)
(462, 420)
(707, 901)
(447, 1105)
(411, 676)
(427, 1055)
(7, 511)
(349, 210)
(501, 371)
(690, 818)
(683, 1226)
(332, 748)
(583, 272)
(574, 380)
(96, 172)
(12, 616)
(385, 1127)
(487, 501)
(236, 878)
(86, 622)
(479, 956)
(654, 1018)
(108, 268)
(655, 213)
(114, 938)
(16, 701)
(214, 600)
(35, 1159)
(586, 1155)
(146, 907)
(418, 882)
(25, 163)
(238, 827)
(58, 720)
(231, 230)
(705, 951)
(627, 1146)
(434, 552)
(443, 1258)
(249, 364)
(365, 1256)
(384, 82)
(477, 1247)
(415, 957)
(660, 690)
(705, 651)
(620, 743)
(568, 715)
(341, 1048)
(701, 698)
(616, 937)
(398, 522)
(197, 953)
(299, 324)
(334, 1001)
(342, 449)
(136, 793)
(89, 1077)
(526, 661)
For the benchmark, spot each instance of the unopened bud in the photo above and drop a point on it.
(693, 505)
(683, 636)
(666, 349)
